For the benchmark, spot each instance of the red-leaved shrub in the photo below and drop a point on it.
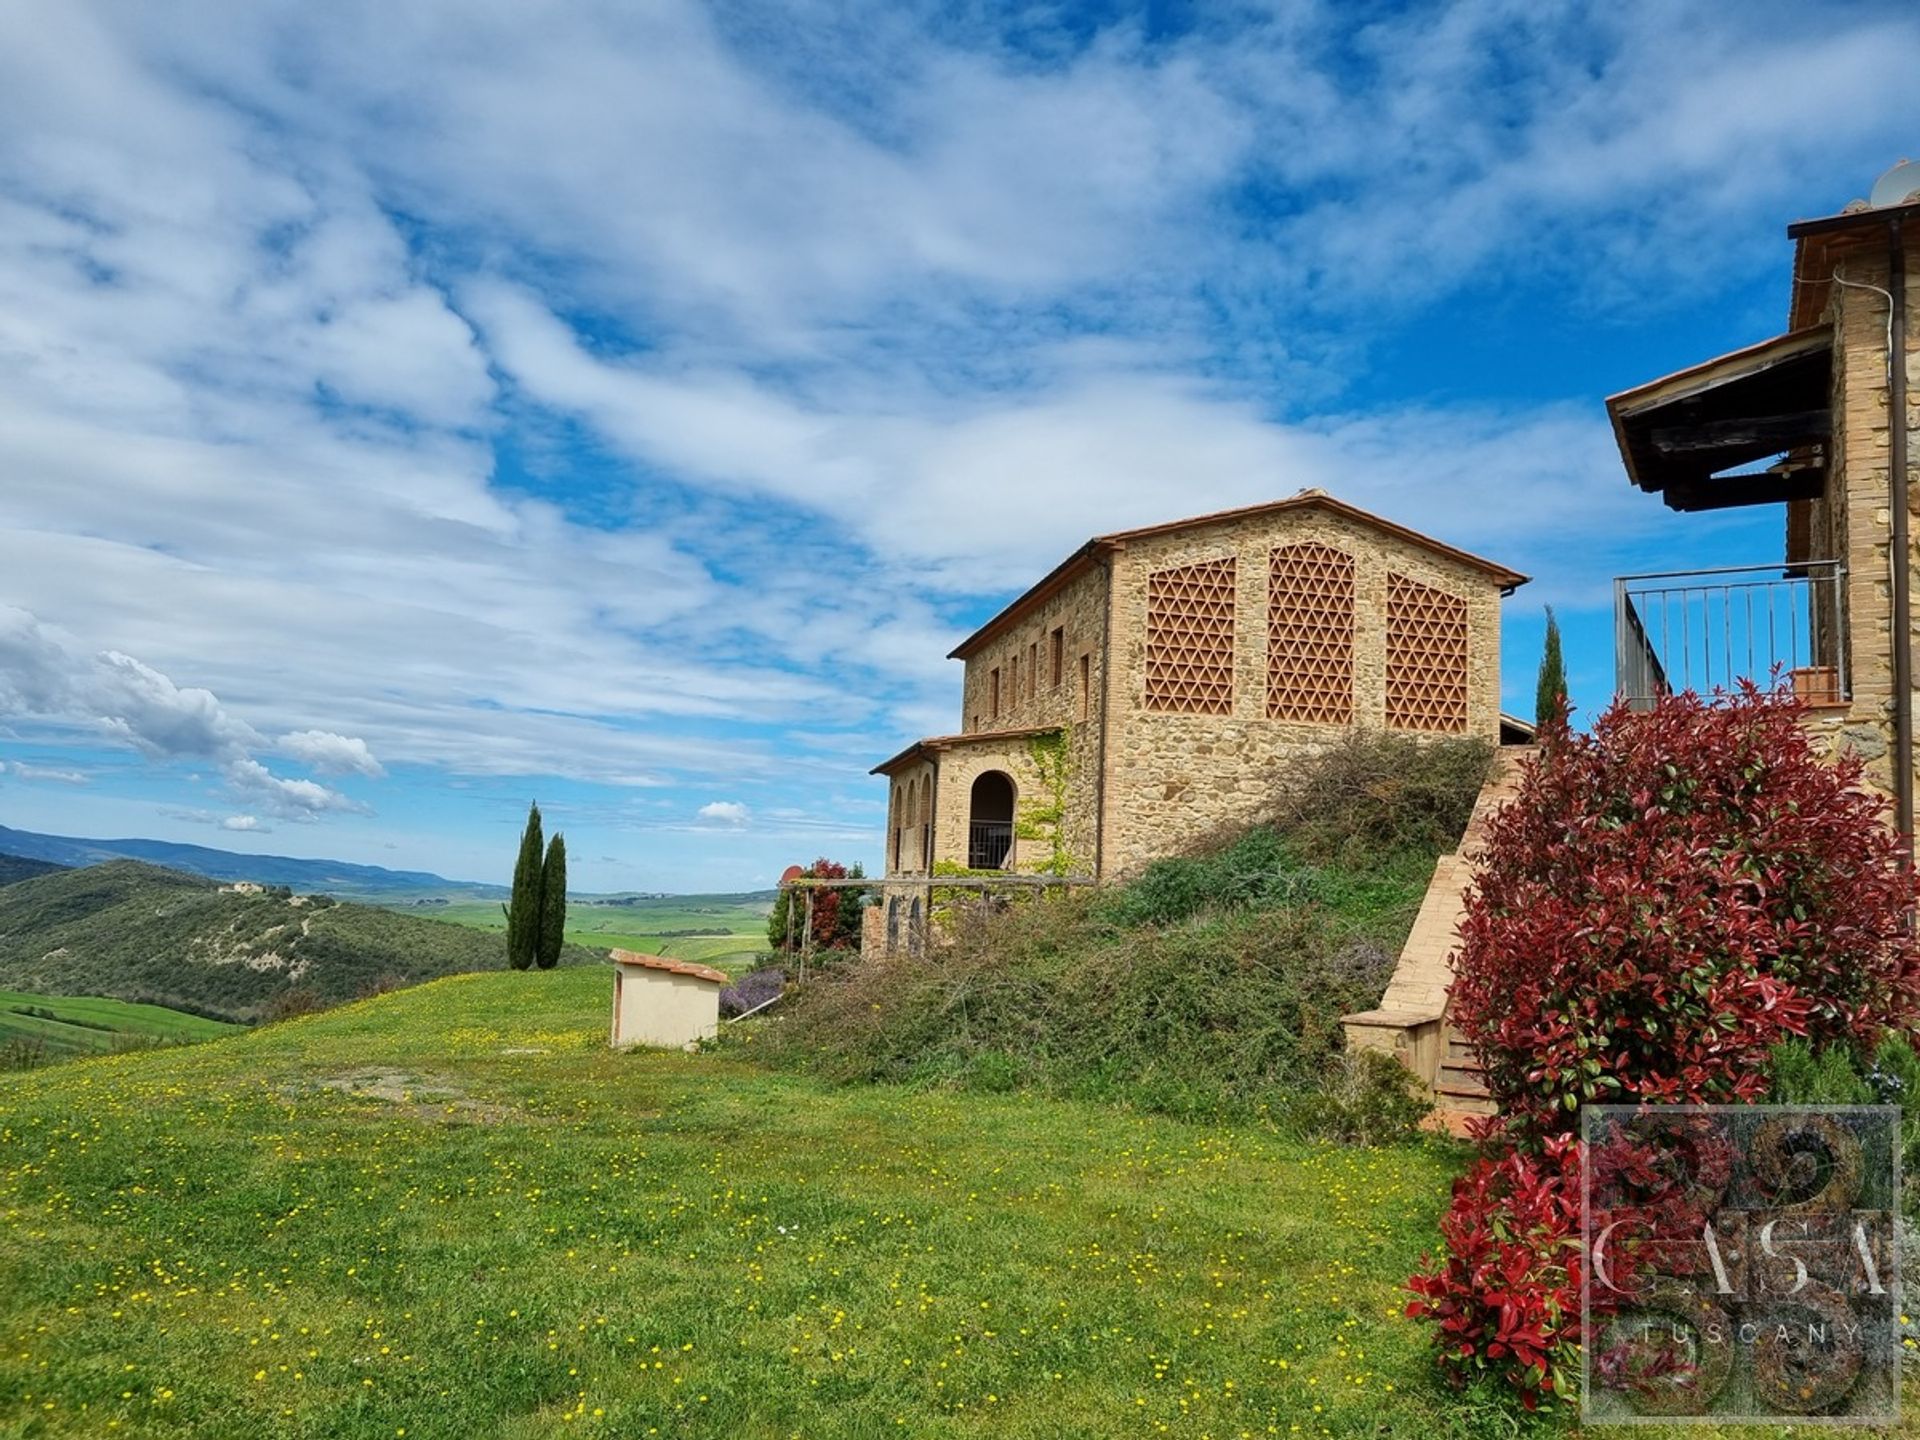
(1506, 1294)
(1666, 899)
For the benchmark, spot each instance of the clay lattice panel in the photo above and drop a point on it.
(1426, 657)
(1190, 639)
(1310, 634)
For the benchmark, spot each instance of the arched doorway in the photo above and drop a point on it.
(990, 822)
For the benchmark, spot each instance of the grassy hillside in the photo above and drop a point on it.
(36, 1029)
(726, 931)
(20, 867)
(1211, 986)
(136, 932)
(453, 1212)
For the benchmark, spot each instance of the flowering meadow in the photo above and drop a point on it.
(451, 1211)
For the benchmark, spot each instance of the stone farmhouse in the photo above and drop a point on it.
(1146, 692)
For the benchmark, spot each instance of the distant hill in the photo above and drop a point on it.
(19, 867)
(334, 877)
(133, 931)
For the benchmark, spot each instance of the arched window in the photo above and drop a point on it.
(990, 822)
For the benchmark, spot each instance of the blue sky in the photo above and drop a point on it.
(407, 411)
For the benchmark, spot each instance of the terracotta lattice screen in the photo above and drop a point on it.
(1426, 657)
(1190, 639)
(1310, 634)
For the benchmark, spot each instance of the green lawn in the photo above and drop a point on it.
(451, 1211)
(62, 1026)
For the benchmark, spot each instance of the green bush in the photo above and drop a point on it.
(1802, 1075)
(1842, 1075)
(1376, 799)
(1365, 1098)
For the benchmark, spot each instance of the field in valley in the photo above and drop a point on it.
(451, 1212)
(58, 1027)
(735, 925)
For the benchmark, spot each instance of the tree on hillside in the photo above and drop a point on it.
(553, 903)
(1550, 692)
(523, 910)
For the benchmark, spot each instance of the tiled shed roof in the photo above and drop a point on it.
(677, 967)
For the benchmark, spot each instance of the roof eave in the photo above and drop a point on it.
(1046, 587)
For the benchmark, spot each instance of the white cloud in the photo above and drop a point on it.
(728, 812)
(20, 769)
(330, 754)
(45, 676)
(243, 822)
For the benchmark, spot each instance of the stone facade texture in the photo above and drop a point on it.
(1174, 779)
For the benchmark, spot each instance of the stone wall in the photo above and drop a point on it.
(910, 803)
(1174, 779)
(960, 766)
(1854, 519)
(1075, 704)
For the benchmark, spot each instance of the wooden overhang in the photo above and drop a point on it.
(1679, 433)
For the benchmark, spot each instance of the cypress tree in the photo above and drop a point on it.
(553, 903)
(1550, 693)
(523, 911)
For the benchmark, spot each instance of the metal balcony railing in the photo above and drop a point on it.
(989, 842)
(1703, 630)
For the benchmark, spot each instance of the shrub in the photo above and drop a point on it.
(835, 913)
(1666, 899)
(1506, 1294)
(1374, 797)
(1234, 1017)
(1802, 1075)
(291, 1004)
(1365, 1098)
(1841, 1075)
(1253, 872)
(385, 983)
(751, 991)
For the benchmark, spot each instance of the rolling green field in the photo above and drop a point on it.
(142, 933)
(452, 1211)
(61, 1027)
(649, 925)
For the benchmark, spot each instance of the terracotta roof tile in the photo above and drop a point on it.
(1092, 552)
(677, 967)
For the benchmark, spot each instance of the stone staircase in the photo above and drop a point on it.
(1411, 1020)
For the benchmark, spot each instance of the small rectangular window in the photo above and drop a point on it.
(1033, 667)
(1056, 655)
(1013, 680)
(993, 695)
(1086, 684)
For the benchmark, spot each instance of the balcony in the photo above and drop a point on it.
(1703, 630)
(989, 842)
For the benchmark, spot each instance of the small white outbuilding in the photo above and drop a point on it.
(660, 1001)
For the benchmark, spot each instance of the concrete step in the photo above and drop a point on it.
(1459, 1082)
